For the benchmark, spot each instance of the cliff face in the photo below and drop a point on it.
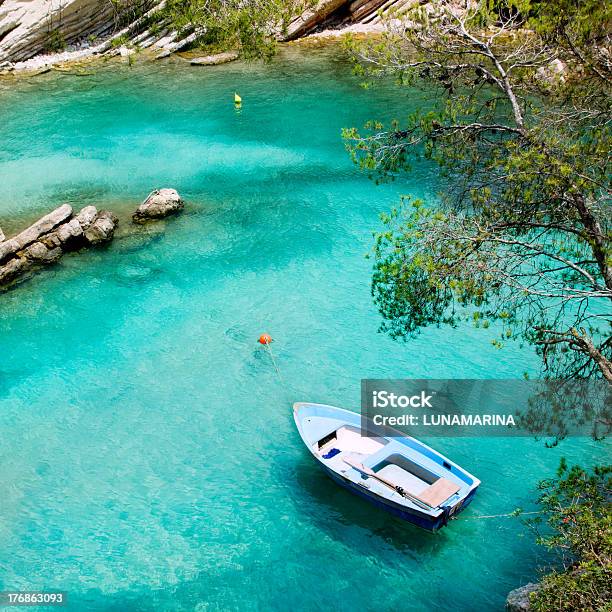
(28, 28)
(340, 14)
(33, 27)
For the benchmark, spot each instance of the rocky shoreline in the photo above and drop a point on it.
(519, 600)
(35, 36)
(61, 231)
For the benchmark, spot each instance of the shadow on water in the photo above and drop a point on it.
(332, 509)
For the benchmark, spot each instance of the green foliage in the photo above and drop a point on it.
(120, 41)
(128, 11)
(55, 41)
(577, 519)
(248, 27)
(522, 233)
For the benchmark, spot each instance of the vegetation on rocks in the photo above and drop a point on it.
(576, 523)
(55, 41)
(250, 27)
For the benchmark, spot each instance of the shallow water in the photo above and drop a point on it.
(148, 456)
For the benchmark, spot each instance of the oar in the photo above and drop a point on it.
(368, 472)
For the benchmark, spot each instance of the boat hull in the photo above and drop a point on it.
(423, 521)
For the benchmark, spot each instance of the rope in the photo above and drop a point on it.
(490, 516)
(267, 345)
(289, 397)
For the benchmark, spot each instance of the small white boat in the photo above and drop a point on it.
(400, 474)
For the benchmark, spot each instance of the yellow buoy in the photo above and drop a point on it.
(237, 99)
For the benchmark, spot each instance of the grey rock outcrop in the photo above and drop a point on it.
(311, 17)
(340, 14)
(77, 28)
(102, 228)
(177, 44)
(27, 27)
(86, 216)
(46, 240)
(518, 599)
(74, 29)
(32, 233)
(158, 204)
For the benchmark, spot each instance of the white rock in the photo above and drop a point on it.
(8, 247)
(37, 251)
(12, 268)
(213, 60)
(43, 225)
(159, 203)
(555, 72)
(69, 231)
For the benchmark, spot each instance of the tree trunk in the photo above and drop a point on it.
(597, 237)
(586, 346)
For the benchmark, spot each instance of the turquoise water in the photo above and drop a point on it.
(148, 457)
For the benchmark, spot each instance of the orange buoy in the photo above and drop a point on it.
(265, 339)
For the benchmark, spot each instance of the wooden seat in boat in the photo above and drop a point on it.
(431, 494)
(438, 492)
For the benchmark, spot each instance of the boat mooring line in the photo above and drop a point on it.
(267, 345)
(266, 340)
(490, 516)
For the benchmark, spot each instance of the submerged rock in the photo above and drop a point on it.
(131, 275)
(13, 268)
(213, 60)
(518, 600)
(159, 203)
